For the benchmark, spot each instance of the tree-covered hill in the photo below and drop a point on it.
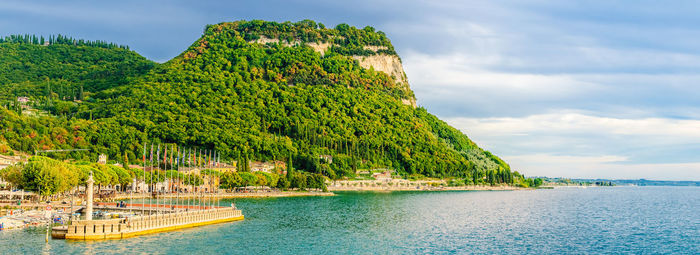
(270, 99)
(64, 67)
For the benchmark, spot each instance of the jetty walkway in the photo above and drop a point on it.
(146, 224)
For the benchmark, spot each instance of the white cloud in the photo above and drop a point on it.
(612, 167)
(572, 144)
(461, 85)
(571, 123)
(463, 72)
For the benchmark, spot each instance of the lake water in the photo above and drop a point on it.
(628, 220)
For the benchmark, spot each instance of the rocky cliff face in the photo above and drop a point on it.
(389, 64)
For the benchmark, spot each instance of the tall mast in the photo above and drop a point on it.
(143, 203)
(150, 198)
(172, 151)
(179, 157)
(189, 167)
(156, 184)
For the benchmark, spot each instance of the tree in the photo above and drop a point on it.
(290, 167)
(230, 180)
(537, 182)
(248, 179)
(45, 175)
(125, 163)
(13, 175)
(283, 183)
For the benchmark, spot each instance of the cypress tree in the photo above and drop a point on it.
(125, 163)
(290, 168)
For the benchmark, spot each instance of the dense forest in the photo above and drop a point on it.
(271, 101)
(58, 39)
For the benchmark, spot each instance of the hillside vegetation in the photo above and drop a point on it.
(265, 101)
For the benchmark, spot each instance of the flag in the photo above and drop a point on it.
(158, 154)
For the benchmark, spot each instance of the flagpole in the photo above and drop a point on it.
(189, 168)
(211, 181)
(218, 200)
(206, 164)
(172, 146)
(150, 186)
(165, 166)
(213, 178)
(143, 203)
(211, 166)
(198, 163)
(211, 189)
(166, 181)
(165, 174)
(188, 153)
(193, 194)
(179, 157)
(156, 184)
(201, 191)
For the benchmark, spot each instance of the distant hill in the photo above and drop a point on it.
(261, 89)
(644, 182)
(639, 182)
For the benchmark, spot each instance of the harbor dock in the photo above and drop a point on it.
(141, 225)
(167, 220)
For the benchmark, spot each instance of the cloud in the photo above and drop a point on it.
(559, 142)
(459, 85)
(607, 166)
(572, 123)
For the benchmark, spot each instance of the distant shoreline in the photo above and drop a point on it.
(261, 194)
(428, 188)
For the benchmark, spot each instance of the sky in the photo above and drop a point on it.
(576, 89)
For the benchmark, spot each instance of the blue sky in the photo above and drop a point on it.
(558, 88)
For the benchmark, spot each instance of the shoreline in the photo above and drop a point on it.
(229, 195)
(429, 189)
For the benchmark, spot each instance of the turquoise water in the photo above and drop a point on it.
(628, 220)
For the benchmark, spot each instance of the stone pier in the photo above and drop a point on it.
(141, 225)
